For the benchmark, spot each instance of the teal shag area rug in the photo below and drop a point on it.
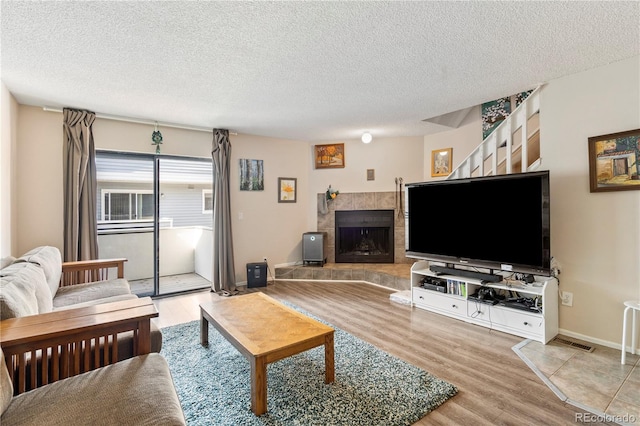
(371, 386)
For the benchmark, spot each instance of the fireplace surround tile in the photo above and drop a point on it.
(392, 276)
(355, 201)
(373, 277)
(322, 274)
(386, 200)
(364, 201)
(303, 274)
(342, 274)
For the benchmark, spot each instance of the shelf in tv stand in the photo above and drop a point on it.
(535, 288)
(540, 326)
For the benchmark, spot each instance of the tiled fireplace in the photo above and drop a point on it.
(364, 236)
(363, 201)
(394, 275)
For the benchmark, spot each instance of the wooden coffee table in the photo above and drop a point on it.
(264, 331)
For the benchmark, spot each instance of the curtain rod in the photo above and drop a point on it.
(141, 121)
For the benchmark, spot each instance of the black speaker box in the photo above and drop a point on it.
(256, 274)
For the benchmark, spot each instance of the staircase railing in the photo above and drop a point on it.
(503, 137)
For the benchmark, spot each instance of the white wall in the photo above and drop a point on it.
(203, 259)
(262, 227)
(8, 152)
(463, 140)
(267, 228)
(177, 251)
(39, 179)
(390, 158)
(595, 236)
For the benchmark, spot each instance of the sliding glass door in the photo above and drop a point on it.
(155, 211)
(185, 238)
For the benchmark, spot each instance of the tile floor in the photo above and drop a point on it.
(594, 380)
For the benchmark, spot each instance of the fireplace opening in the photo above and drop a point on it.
(364, 236)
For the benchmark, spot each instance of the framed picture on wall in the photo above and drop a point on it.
(441, 162)
(287, 190)
(613, 161)
(329, 156)
(251, 175)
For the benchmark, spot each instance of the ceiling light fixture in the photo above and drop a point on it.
(366, 137)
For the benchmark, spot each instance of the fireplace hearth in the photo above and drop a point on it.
(364, 236)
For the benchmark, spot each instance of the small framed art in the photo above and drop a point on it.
(287, 190)
(329, 156)
(251, 175)
(613, 161)
(441, 162)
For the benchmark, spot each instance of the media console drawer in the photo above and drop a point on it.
(441, 302)
(523, 321)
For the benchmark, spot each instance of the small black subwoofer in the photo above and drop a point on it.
(256, 274)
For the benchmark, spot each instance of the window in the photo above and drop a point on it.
(207, 201)
(127, 205)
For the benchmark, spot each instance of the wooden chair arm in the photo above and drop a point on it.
(87, 271)
(41, 349)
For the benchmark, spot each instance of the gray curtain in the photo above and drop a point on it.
(79, 168)
(224, 273)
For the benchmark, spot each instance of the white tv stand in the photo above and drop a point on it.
(537, 324)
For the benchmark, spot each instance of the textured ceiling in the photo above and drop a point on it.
(302, 70)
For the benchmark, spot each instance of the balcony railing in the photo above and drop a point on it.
(183, 250)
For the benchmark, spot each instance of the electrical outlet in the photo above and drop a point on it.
(567, 298)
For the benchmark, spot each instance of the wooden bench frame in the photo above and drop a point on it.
(86, 271)
(72, 341)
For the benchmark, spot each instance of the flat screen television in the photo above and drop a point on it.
(495, 222)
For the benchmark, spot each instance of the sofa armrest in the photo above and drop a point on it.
(72, 341)
(87, 271)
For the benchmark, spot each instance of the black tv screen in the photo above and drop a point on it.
(496, 222)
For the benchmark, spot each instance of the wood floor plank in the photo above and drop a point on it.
(495, 386)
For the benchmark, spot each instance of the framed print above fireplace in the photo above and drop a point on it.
(329, 156)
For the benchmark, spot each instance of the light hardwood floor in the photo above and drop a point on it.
(495, 386)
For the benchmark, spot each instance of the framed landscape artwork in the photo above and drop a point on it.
(287, 190)
(329, 156)
(441, 162)
(613, 161)
(251, 175)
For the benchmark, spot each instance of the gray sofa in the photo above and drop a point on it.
(33, 284)
(137, 391)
